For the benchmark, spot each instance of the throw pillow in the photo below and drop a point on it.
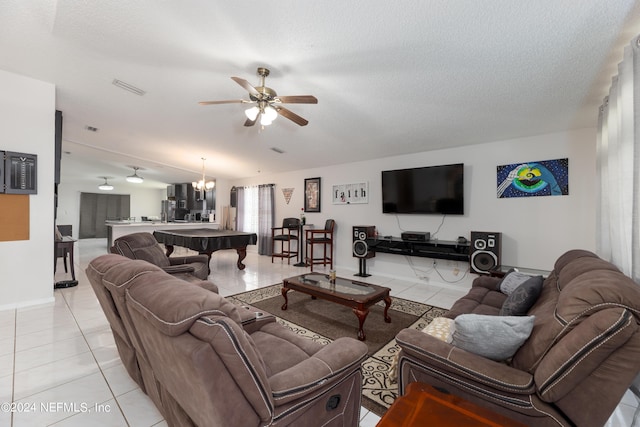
(523, 297)
(493, 337)
(441, 328)
(511, 281)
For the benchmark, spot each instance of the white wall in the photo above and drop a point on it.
(27, 109)
(536, 230)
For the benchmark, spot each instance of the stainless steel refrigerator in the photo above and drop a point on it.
(168, 211)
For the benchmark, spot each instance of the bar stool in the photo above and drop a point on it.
(322, 237)
(285, 234)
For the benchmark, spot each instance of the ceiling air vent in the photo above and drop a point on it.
(277, 150)
(127, 86)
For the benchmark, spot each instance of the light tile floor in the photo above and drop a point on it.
(59, 365)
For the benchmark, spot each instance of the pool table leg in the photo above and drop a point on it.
(242, 254)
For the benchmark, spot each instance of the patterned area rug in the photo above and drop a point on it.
(321, 321)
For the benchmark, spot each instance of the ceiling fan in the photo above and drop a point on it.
(267, 102)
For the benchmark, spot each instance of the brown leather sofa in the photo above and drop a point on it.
(581, 356)
(145, 247)
(208, 362)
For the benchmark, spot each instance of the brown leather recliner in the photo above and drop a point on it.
(574, 368)
(109, 276)
(215, 363)
(145, 247)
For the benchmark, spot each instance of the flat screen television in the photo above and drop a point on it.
(425, 190)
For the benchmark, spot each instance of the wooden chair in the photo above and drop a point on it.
(284, 235)
(322, 237)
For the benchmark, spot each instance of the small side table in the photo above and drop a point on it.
(424, 405)
(67, 243)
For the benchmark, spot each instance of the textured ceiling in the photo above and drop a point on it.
(390, 77)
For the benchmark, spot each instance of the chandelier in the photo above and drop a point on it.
(203, 184)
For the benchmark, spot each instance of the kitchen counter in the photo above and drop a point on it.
(117, 229)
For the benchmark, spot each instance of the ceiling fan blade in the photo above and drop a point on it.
(250, 122)
(228, 101)
(245, 84)
(297, 99)
(291, 116)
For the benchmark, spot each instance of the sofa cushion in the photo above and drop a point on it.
(511, 281)
(141, 246)
(493, 337)
(522, 297)
(482, 298)
(171, 307)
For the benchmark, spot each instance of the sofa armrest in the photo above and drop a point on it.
(253, 319)
(180, 268)
(177, 260)
(205, 284)
(488, 282)
(463, 365)
(334, 361)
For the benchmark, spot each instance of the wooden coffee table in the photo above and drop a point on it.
(351, 293)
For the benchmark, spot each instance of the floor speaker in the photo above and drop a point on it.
(485, 252)
(360, 246)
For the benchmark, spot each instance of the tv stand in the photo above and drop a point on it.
(439, 249)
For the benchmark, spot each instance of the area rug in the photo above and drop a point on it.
(323, 322)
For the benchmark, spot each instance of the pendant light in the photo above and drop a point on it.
(135, 178)
(106, 186)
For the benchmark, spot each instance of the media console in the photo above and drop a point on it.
(439, 249)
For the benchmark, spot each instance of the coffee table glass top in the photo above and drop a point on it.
(341, 285)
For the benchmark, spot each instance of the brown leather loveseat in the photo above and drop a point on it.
(579, 359)
(205, 361)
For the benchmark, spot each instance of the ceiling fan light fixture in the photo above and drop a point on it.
(264, 121)
(270, 113)
(252, 113)
(135, 178)
(106, 186)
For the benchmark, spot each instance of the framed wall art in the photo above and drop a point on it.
(312, 195)
(345, 194)
(539, 178)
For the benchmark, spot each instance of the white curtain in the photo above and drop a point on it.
(255, 213)
(618, 164)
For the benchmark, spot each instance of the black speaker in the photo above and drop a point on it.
(360, 247)
(485, 251)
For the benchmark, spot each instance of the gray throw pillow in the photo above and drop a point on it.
(493, 337)
(512, 280)
(523, 297)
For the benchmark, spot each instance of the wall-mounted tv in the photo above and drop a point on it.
(426, 190)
